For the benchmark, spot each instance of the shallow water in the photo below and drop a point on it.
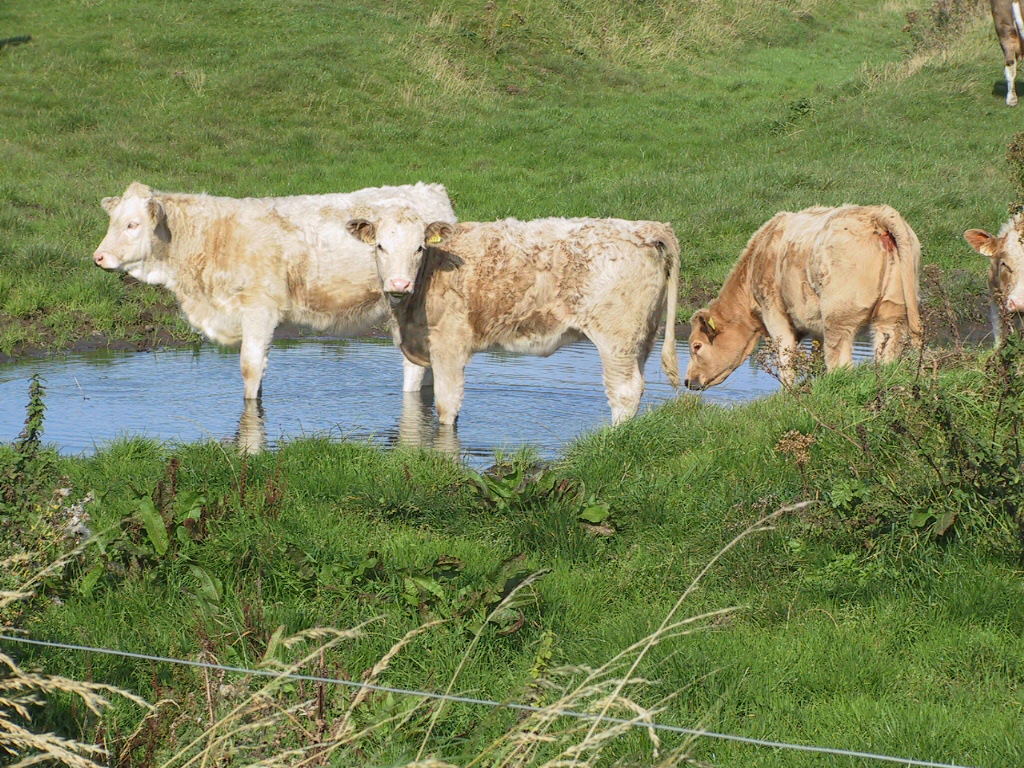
(345, 389)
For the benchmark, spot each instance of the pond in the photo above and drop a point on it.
(344, 389)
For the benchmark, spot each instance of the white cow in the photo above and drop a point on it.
(240, 267)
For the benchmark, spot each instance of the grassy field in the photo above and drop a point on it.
(711, 116)
(885, 616)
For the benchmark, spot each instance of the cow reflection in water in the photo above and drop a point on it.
(415, 426)
(252, 429)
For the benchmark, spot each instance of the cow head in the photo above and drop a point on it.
(138, 227)
(400, 240)
(717, 347)
(1006, 264)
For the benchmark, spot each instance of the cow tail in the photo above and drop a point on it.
(669, 246)
(908, 254)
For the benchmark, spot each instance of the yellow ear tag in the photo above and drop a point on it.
(434, 239)
(711, 324)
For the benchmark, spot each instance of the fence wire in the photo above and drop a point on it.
(698, 732)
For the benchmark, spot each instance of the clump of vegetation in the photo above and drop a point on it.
(942, 21)
(23, 692)
(936, 453)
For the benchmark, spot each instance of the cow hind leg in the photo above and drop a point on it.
(623, 383)
(890, 332)
(1010, 70)
(257, 332)
(838, 346)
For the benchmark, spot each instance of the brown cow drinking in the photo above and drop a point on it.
(823, 273)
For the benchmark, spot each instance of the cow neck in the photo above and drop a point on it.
(735, 303)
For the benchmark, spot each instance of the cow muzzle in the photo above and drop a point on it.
(105, 260)
(695, 384)
(398, 285)
(1015, 304)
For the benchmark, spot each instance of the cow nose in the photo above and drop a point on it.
(98, 258)
(1015, 304)
(399, 285)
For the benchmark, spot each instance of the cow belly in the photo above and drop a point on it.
(223, 327)
(541, 346)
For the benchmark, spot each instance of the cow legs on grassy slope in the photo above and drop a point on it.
(889, 330)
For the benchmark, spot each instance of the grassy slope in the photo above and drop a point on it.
(712, 117)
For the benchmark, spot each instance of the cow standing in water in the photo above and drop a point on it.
(823, 273)
(1005, 273)
(1006, 14)
(240, 267)
(528, 287)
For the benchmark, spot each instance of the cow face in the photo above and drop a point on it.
(137, 224)
(1006, 265)
(717, 347)
(399, 243)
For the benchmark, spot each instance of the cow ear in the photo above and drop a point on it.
(707, 323)
(155, 210)
(110, 203)
(438, 233)
(362, 230)
(982, 242)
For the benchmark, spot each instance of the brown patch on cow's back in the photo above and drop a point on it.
(274, 218)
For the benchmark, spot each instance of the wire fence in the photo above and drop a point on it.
(697, 732)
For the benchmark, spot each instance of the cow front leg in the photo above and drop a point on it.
(449, 384)
(257, 332)
(415, 377)
(1010, 71)
(780, 331)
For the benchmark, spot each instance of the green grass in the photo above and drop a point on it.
(855, 627)
(711, 116)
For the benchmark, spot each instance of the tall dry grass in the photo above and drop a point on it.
(22, 692)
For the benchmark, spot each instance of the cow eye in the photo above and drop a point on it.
(133, 224)
(697, 346)
(380, 247)
(421, 249)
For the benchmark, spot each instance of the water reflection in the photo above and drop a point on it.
(418, 424)
(251, 436)
(346, 389)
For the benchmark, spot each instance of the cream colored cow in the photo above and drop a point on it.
(240, 267)
(1005, 273)
(823, 273)
(528, 287)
